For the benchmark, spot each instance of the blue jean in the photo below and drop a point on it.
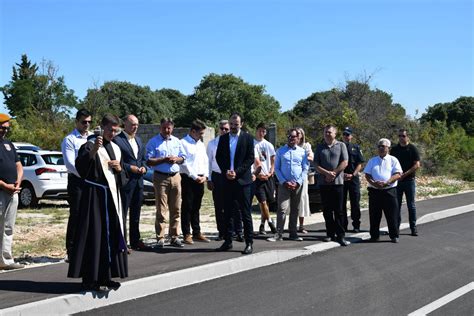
(408, 187)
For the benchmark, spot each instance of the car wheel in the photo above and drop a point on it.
(27, 197)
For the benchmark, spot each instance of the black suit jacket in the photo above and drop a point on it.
(243, 160)
(129, 158)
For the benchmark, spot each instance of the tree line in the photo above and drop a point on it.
(43, 107)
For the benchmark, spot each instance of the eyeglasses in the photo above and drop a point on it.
(403, 136)
(346, 134)
(225, 129)
(85, 122)
(381, 146)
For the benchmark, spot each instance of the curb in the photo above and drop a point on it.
(84, 301)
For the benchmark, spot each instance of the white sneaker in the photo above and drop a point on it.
(277, 237)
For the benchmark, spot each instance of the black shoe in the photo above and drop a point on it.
(374, 239)
(343, 242)
(272, 227)
(261, 230)
(111, 285)
(140, 246)
(328, 239)
(239, 238)
(414, 232)
(394, 240)
(248, 249)
(94, 286)
(225, 246)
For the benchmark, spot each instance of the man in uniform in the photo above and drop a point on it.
(409, 158)
(352, 180)
(11, 173)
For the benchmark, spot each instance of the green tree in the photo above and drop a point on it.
(123, 98)
(459, 112)
(218, 96)
(179, 103)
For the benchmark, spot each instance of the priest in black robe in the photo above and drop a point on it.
(101, 251)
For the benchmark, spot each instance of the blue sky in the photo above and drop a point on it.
(419, 51)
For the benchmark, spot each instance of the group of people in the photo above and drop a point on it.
(105, 186)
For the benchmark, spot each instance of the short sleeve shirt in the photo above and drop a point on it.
(382, 169)
(407, 155)
(355, 157)
(329, 157)
(8, 160)
(264, 150)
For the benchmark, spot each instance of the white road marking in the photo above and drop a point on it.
(443, 300)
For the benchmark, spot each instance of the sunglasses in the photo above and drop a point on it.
(86, 122)
(403, 136)
(381, 146)
(224, 129)
(346, 134)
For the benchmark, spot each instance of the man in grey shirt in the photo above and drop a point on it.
(330, 161)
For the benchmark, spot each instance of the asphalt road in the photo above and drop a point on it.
(362, 279)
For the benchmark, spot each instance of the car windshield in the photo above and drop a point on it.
(53, 159)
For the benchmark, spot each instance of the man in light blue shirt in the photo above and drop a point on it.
(70, 147)
(164, 153)
(291, 167)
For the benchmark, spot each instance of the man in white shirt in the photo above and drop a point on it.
(70, 147)
(382, 173)
(264, 184)
(194, 173)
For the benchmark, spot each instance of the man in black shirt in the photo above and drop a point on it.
(409, 158)
(352, 180)
(11, 172)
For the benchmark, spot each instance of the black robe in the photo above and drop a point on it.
(100, 252)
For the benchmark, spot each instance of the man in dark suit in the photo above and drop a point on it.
(235, 156)
(134, 159)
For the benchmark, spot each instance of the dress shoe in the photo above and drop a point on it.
(239, 238)
(261, 230)
(188, 239)
(140, 246)
(13, 266)
(272, 227)
(374, 239)
(342, 241)
(394, 240)
(94, 286)
(248, 249)
(201, 238)
(328, 239)
(414, 232)
(111, 285)
(225, 246)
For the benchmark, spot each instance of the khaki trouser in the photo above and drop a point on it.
(167, 199)
(8, 208)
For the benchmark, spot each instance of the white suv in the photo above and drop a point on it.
(45, 176)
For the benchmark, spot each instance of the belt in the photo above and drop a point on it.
(169, 174)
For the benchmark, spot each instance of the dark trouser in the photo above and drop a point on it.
(331, 197)
(217, 196)
(238, 198)
(132, 197)
(353, 188)
(75, 186)
(386, 201)
(408, 187)
(191, 198)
